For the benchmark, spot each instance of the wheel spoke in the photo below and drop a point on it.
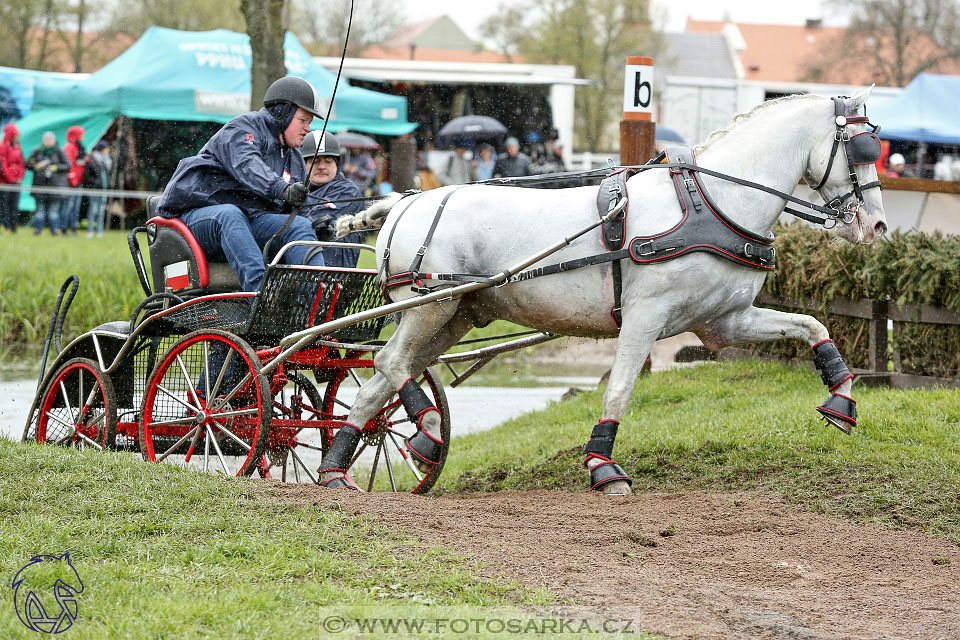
(238, 412)
(186, 376)
(406, 458)
(235, 438)
(356, 378)
(206, 368)
(297, 459)
(227, 398)
(357, 456)
(343, 404)
(183, 420)
(373, 469)
(177, 398)
(66, 401)
(223, 371)
(309, 446)
(80, 403)
(386, 458)
(177, 444)
(90, 441)
(56, 418)
(216, 446)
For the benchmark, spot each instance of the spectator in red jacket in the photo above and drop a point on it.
(11, 161)
(77, 155)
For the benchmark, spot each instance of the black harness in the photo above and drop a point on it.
(703, 227)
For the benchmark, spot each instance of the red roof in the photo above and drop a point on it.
(380, 52)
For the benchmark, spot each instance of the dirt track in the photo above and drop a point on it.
(736, 565)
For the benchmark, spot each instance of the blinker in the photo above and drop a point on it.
(863, 148)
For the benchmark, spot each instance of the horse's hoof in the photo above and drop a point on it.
(840, 411)
(340, 482)
(616, 488)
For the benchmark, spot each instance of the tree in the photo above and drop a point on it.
(324, 25)
(266, 28)
(133, 18)
(595, 36)
(895, 39)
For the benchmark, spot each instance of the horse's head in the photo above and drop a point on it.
(841, 169)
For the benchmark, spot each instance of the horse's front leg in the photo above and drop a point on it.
(637, 336)
(760, 325)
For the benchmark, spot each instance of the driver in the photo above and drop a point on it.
(235, 194)
(332, 195)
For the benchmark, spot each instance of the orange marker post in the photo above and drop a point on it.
(637, 131)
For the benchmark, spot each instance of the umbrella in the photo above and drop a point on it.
(668, 135)
(471, 126)
(353, 140)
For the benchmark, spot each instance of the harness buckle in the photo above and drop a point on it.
(422, 250)
(648, 251)
(691, 184)
(748, 249)
(842, 135)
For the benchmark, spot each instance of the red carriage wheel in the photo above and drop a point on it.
(79, 408)
(382, 461)
(207, 405)
(295, 405)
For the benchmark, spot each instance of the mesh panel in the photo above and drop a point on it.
(227, 313)
(292, 299)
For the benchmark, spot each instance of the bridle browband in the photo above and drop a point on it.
(857, 150)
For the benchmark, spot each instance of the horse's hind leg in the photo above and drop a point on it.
(637, 336)
(759, 325)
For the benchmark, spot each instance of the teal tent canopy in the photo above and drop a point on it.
(925, 111)
(195, 76)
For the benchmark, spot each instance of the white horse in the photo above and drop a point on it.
(486, 228)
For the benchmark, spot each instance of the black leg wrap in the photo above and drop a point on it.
(606, 472)
(423, 446)
(833, 370)
(415, 400)
(840, 411)
(344, 444)
(601, 440)
(343, 482)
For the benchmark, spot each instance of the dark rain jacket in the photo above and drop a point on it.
(54, 172)
(243, 164)
(322, 205)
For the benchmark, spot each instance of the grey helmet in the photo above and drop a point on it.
(296, 91)
(314, 146)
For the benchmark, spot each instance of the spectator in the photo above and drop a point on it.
(96, 175)
(553, 161)
(943, 169)
(49, 165)
(483, 166)
(328, 188)
(77, 155)
(234, 194)
(11, 173)
(895, 166)
(511, 162)
(459, 169)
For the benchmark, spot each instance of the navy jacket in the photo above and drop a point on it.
(243, 164)
(322, 205)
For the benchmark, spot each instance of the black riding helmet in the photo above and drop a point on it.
(314, 146)
(291, 92)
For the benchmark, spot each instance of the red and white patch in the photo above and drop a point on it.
(329, 205)
(286, 177)
(250, 138)
(177, 275)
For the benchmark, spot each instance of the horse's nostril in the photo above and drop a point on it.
(880, 229)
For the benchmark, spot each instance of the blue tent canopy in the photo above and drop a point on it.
(197, 76)
(925, 111)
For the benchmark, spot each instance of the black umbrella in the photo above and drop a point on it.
(472, 126)
(353, 140)
(668, 135)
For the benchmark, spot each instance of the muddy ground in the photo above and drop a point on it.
(689, 565)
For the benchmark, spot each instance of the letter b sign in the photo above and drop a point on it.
(638, 88)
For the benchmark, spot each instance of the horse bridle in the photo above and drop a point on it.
(859, 149)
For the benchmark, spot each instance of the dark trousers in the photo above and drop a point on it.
(9, 213)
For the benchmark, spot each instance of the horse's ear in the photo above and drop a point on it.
(859, 98)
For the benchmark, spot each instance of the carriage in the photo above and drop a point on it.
(198, 377)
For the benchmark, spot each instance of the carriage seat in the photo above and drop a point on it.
(178, 263)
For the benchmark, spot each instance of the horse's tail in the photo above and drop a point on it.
(372, 218)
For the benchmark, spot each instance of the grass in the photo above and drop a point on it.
(168, 553)
(736, 426)
(32, 269)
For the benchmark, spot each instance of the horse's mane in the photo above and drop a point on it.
(740, 117)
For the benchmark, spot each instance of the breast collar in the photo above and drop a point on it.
(703, 227)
